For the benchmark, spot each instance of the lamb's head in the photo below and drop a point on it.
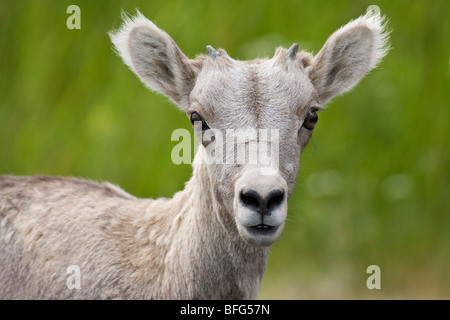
(253, 118)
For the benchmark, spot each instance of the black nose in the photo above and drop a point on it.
(253, 200)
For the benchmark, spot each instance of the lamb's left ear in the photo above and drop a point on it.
(348, 55)
(156, 59)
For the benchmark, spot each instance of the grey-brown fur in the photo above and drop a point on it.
(119, 242)
(200, 244)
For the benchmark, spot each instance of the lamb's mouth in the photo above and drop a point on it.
(262, 226)
(260, 234)
(262, 229)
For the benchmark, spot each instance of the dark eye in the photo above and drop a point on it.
(311, 119)
(198, 122)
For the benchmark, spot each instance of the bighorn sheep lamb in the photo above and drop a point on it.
(211, 240)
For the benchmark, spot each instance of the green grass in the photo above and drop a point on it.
(373, 186)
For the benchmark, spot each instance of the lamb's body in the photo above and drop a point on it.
(125, 247)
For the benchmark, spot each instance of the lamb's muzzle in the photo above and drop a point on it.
(260, 207)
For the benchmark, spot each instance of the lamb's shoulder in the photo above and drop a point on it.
(52, 223)
(43, 185)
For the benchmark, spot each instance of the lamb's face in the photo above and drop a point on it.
(253, 118)
(272, 102)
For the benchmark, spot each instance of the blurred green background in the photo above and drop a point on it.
(378, 162)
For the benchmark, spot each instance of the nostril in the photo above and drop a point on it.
(274, 199)
(250, 198)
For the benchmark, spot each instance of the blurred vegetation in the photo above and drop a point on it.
(373, 187)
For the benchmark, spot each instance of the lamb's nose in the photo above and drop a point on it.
(262, 204)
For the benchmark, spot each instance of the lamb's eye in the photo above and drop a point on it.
(311, 119)
(197, 121)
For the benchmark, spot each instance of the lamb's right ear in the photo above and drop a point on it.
(156, 59)
(347, 55)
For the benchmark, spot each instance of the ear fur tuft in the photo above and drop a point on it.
(349, 54)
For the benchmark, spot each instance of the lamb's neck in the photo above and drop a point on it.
(211, 258)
